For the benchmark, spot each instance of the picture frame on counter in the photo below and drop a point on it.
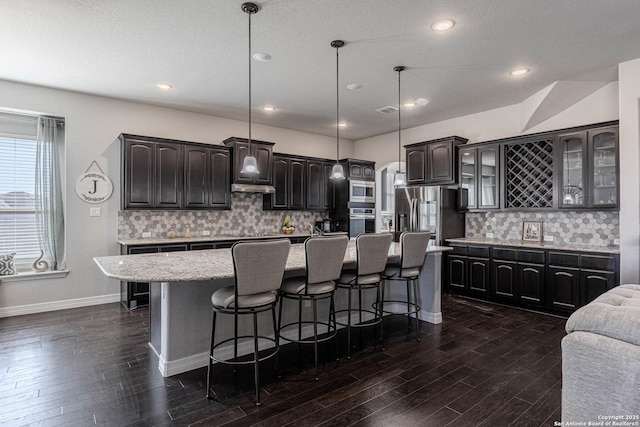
(532, 231)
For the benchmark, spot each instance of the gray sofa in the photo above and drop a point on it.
(601, 359)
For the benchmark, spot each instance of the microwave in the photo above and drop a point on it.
(362, 191)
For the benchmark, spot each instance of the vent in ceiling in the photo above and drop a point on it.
(386, 110)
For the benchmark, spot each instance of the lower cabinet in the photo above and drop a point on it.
(542, 279)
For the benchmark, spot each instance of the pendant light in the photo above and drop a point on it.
(249, 165)
(337, 172)
(400, 180)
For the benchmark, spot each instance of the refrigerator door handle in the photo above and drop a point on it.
(414, 215)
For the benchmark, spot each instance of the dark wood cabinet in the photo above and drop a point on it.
(557, 281)
(261, 150)
(433, 162)
(479, 171)
(206, 177)
(329, 186)
(479, 275)
(363, 170)
(152, 173)
(289, 182)
(416, 158)
(588, 169)
(315, 186)
(167, 174)
(562, 285)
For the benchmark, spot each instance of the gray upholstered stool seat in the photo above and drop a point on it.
(324, 258)
(372, 252)
(258, 270)
(226, 297)
(414, 249)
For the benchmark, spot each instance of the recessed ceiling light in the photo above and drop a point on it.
(519, 71)
(164, 86)
(354, 86)
(409, 104)
(342, 124)
(442, 25)
(261, 56)
(269, 108)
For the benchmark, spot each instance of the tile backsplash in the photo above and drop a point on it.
(595, 228)
(246, 217)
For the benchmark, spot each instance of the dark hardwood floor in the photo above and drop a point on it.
(484, 365)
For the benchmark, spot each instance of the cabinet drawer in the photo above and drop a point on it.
(505, 254)
(478, 251)
(458, 250)
(564, 259)
(594, 262)
(535, 257)
(201, 246)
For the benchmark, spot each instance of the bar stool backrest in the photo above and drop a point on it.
(414, 248)
(259, 266)
(373, 252)
(325, 257)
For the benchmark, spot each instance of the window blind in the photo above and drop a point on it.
(18, 231)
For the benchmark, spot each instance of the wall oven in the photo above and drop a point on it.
(361, 220)
(362, 191)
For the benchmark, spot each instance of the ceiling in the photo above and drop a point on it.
(122, 48)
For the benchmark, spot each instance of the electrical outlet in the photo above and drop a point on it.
(548, 238)
(616, 241)
(94, 212)
(489, 235)
(146, 234)
(307, 304)
(206, 233)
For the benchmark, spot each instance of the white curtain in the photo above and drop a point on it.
(48, 194)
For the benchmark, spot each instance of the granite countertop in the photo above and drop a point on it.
(544, 245)
(205, 265)
(213, 238)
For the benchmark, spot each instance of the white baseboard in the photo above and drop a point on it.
(58, 305)
(429, 317)
(189, 363)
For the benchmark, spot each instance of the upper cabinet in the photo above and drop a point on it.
(433, 162)
(573, 168)
(206, 177)
(160, 173)
(289, 181)
(588, 163)
(479, 172)
(363, 170)
(261, 150)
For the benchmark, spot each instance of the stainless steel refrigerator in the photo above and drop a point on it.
(435, 209)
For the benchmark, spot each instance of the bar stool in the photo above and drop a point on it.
(324, 259)
(258, 268)
(372, 252)
(414, 250)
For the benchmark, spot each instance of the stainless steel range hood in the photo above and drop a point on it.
(252, 188)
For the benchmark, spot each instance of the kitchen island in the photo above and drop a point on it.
(182, 284)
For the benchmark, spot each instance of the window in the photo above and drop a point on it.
(18, 230)
(31, 210)
(388, 191)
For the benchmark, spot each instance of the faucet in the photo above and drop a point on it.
(312, 229)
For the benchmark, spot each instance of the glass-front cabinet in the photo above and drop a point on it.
(468, 175)
(589, 169)
(479, 173)
(604, 165)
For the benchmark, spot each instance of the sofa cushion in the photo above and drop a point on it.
(615, 314)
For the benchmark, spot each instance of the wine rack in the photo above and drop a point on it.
(529, 174)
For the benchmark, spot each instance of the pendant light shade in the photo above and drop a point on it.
(337, 172)
(400, 179)
(249, 164)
